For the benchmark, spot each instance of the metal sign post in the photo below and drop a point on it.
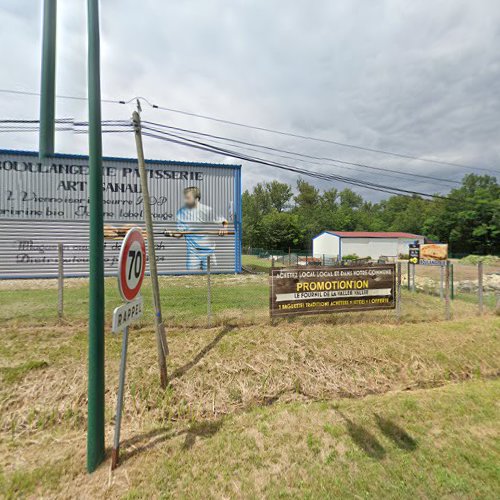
(119, 401)
(131, 269)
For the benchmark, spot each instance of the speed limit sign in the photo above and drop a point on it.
(132, 264)
(131, 268)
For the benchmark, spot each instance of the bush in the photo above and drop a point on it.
(352, 256)
(489, 260)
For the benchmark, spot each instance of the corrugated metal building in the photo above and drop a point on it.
(43, 203)
(363, 244)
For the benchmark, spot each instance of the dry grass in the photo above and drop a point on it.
(239, 366)
(226, 370)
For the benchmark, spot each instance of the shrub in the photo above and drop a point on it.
(485, 259)
(352, 256)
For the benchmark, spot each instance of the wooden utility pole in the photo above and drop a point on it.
(161, 338)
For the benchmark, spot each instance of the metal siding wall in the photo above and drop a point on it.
(28, 244)
(370, 247)
(326, 244)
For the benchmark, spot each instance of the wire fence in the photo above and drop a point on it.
(208, 300)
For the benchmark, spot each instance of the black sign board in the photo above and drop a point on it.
(300, 290)
(414, 253)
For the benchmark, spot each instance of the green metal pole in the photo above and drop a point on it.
(95, 430)
(48, 90)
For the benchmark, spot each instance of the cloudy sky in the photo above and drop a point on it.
(421, 78)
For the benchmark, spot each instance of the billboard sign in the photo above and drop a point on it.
(297, 291)
(45, 202)
(433, 254)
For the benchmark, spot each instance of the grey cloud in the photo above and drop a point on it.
(419, 77)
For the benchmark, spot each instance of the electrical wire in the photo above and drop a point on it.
(302, 155)
(266, 129)
(320, 175)
(238, 143)
(185, 141)
(82, 128)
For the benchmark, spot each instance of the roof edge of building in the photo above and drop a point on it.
(371, 234)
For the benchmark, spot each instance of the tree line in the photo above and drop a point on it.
(277, 218)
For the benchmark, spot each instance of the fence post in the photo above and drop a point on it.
(408, 275)
(480, 286)
(60, 280)
(441, 281)
(452, 281)
(398, 292)
(209, 295)
(447, 291)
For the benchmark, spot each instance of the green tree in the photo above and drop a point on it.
(280, 195)
(281, 231)
(469, 219)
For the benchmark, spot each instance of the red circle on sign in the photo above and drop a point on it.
(132, 264)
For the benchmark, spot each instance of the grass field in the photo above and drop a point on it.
(352, 405)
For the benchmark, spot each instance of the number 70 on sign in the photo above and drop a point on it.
(132, 264)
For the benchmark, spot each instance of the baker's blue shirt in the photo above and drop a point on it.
(198, 246)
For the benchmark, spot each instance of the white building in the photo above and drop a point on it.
(363, 244)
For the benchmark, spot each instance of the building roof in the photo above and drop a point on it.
(373, 234)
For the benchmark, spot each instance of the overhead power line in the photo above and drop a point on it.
(236, 142)
(169, 137)
(263, 149)
(81, 127)
(126, 126)
(269, 130)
